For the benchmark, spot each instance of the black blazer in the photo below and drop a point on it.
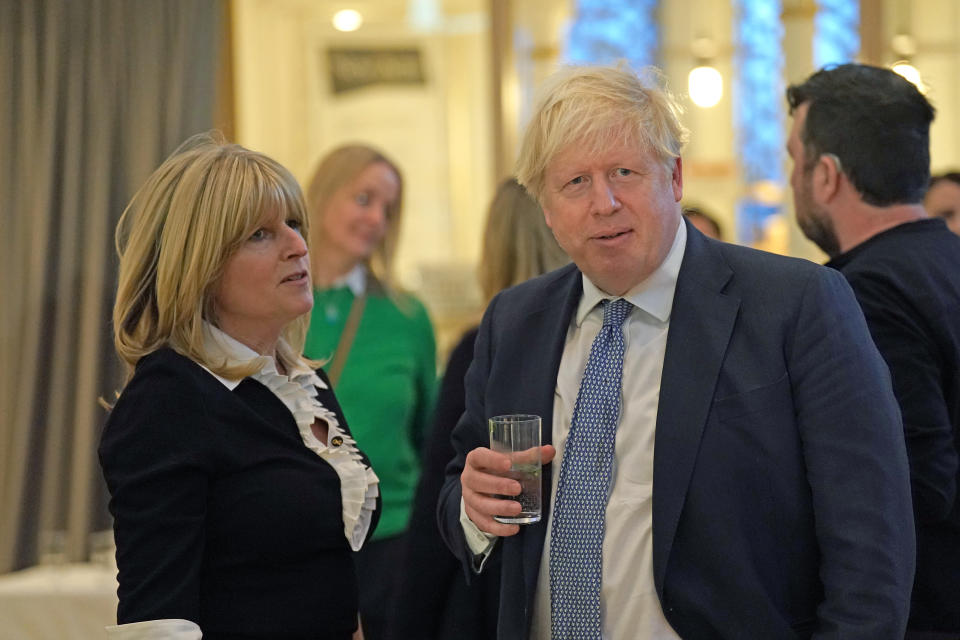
(221, 515)
(907, 280)
(781, 499)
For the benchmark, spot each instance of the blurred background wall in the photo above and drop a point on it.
(95, 93)
(454, 124)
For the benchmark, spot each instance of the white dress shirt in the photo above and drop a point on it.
(355, 280)
(629, 607)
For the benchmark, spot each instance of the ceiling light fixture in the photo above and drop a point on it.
(347, 20)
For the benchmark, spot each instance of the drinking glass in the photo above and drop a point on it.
(518, 436)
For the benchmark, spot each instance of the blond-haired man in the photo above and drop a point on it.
(729, 461)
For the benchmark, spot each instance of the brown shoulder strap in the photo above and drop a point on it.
(346, 339)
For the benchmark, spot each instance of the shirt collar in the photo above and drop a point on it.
(221, 346)
(654, 295)
(355, 280)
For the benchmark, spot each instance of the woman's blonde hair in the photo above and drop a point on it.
(174, 237)
(335, 170)
(595, 107)
(517, 244)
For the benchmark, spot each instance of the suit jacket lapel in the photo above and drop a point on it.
(701, 322)
(547, 337)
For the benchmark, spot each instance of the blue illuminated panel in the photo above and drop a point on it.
(604, 32)
(836, 37)
(759, 108)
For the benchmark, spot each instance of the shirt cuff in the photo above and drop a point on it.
(480, 542)
(168, 629)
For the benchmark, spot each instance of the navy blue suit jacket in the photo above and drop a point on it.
(781, 497)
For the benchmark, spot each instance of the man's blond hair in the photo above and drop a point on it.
(594, 108)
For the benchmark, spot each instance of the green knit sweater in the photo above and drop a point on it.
(386, 389)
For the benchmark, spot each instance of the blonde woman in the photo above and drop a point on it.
(380, 342)
(237, 490)
(435, 603)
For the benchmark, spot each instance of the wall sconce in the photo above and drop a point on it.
(705, 82)
(911, 73)
(904, 47)
(705, 85)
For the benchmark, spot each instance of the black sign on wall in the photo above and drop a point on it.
(355, 68)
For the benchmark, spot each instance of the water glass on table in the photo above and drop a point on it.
(518, 436)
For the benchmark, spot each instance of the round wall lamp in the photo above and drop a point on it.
(911, 73)
(705, 85)
(704, 82)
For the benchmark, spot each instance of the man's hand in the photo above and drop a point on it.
(482, 480)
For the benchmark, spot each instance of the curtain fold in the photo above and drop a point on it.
(93, 95)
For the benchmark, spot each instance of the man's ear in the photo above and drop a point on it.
(677, 179)
(827, 176)
(547, 216)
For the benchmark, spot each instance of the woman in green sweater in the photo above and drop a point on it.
(380, 346)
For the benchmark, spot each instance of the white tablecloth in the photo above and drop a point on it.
(62, 602)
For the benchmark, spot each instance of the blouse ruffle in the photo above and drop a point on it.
(359, 485)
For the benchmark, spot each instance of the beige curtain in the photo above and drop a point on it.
(93, 95)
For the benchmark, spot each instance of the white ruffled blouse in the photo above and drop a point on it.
(359, 485)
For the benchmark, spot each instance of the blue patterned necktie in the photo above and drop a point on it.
(576, 536)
